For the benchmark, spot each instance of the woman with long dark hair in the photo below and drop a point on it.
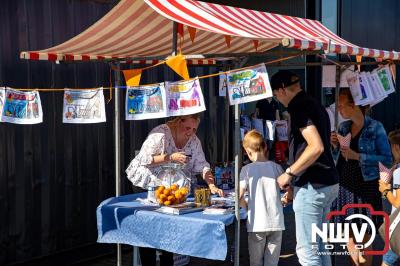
(358, 166)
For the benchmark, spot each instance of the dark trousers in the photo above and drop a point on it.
(148, 257)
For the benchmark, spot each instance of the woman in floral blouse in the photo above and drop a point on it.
(175, 141)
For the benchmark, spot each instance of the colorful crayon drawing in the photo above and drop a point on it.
(185, 97)
(248, 85)
(362, 88)
(84, 107)
(2, 98)
(145, 102)
(22, 107)
(386, 80)
(358, 93)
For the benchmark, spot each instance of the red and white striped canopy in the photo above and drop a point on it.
(140, 29)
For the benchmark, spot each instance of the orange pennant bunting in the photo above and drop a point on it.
(132, 76)
(178, 64)
(255, 42)
(192, 33)
(228, 40)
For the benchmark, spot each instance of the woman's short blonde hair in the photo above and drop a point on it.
(394, 137)
(183, 117)
(254, 141)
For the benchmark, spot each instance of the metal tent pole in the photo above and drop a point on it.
(237, 189)
(117, 76)
(238, 161)
(337, 90)
(175, 38)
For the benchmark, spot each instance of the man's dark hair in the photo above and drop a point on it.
(283, 78)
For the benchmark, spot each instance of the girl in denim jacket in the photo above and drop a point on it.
(358, 165)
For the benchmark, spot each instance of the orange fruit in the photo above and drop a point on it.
(174, 187)
(178, 195)
(167, 203)
(184, 190)
(158, 193)
(161, 188)
(163, 197)
(171, 198)
(167, 191)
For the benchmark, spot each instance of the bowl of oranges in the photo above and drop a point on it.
(171, 195)
(173, 184)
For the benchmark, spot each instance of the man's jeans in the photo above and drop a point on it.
(390, 258)
(312, 206)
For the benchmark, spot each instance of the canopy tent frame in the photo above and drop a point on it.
(292, 46)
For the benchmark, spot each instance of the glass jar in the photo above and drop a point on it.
(173, 184)
(172, 173)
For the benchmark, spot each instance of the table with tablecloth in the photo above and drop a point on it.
(125, 220)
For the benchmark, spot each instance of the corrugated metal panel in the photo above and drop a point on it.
(382, 31)
(53, 175)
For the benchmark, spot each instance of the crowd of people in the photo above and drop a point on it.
(321, 175)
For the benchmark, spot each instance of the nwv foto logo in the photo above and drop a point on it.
(339, 233)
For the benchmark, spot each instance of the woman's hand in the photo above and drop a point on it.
(179, 157)
(334, 140)
(349, 154)
(383, 186)
(209, 178)
(215, 190)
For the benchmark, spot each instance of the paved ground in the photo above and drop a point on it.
(288, 256)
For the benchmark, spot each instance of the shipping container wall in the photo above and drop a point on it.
(54, 175)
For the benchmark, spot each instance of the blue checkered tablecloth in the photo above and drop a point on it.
(127, 221)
